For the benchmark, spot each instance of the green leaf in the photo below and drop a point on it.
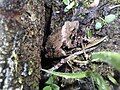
(55, 87)
(98, 25)
(70, 6)
(110, 18)
(89, 33)
(77, 75)
(112, 79)
(102, 85)
(66, 2)
(50, 80)
(47, 88)
(111, 58)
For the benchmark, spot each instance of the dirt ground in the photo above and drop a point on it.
(56, 20)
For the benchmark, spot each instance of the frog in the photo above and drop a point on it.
(63, 37)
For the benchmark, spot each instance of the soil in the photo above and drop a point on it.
(87, 23)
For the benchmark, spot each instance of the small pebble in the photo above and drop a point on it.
(1, 80)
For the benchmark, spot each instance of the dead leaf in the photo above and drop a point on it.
(95, 3)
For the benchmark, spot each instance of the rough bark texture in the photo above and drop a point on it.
(21, 39)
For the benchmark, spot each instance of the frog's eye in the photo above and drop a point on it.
(72, 30)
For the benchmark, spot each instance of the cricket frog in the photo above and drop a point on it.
(62, 38)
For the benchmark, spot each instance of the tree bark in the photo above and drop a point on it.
(21, 39)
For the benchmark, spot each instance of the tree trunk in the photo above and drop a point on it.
(21, 39)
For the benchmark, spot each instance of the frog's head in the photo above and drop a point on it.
(68, 32)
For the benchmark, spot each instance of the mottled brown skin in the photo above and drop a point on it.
(57, 40)
(54, 43)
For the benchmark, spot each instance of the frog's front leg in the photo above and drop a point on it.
(60, 52)
(55, 52)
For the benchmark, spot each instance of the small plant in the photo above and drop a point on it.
(97, 78)
(98, 25)
(89, 33)
(108, 19)
(109, 57)
(69, 4)
(51, 84)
